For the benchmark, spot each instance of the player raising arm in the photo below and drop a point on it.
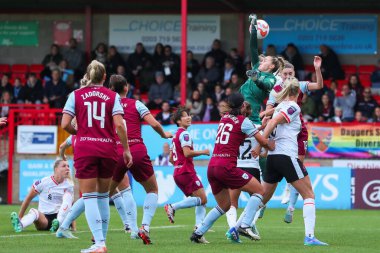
(55, 199)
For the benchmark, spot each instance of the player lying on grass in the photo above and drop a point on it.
(55, 199)
(185, 176)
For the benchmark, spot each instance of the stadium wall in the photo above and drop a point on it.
(28, 55)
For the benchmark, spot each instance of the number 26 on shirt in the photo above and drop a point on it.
(223, 134)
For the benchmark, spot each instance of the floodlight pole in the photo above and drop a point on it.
(183, 50)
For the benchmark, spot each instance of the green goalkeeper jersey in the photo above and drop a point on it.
(255, 92)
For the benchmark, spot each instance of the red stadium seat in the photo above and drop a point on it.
(350, 69)
(364, 77)
(144, 97)
(309, 68)
(154, 112)
(20, 68)
(341, 83)
(5, 68)
(366, 69)
(366, 83)
(36, 69)
(377, 98)
(327, 83)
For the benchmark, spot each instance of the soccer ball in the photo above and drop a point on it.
(262, 29)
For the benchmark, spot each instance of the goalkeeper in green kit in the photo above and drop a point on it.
(261, 79)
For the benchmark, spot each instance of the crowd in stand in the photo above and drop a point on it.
(155, 78)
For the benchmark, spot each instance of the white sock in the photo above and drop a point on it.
(309, 216)
(238, 222)
(131, 208)
(256, 217)
(120, 207)
(150, 206)
(231, 216)
(200, 214)
(31, 217)
(67, 201)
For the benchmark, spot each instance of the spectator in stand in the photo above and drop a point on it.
(338, 115)
(367, 104)
(171, 65)
(359, 117)
(51, 60)
(347, 103)
(192, 68)
(146, 76)
(55, 91)
(18, 93)
(209, 75)
(331, 68)
(75, 58)
(354, 84)
(67, 75)
(217, 53)
(164, 116)
(292, 55)
(325, 110)
(376, 115)
(33, 90)
(236, 82)
(159, 91)
(5, 85)
(218, 94)
(228, 92)
(176, 95)
(202, 91)
(6, 98)
(121, 70)
(114, 59)
(223, 107)
(237, 60)
(375, 76)
(229, 69)
(195, 105)
(163, 159)
(158, 55)
(100, 53)
(308, 108)
(136, 61)
(271, 50)
(333, 90)
(210, 112)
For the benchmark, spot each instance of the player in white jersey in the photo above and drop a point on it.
(283, 161)
(291, 195)
(55, 199)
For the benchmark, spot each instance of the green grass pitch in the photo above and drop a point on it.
(345, 231)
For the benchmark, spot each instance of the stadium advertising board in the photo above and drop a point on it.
(36, 139)
(14, 33)
(332, 188)
(127, 30)
(357, 164)
(33, 170)
(344, 140)
(367, 189)
(203, 136)
(346, 34)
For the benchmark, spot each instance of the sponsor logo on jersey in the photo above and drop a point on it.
(245, 176)
(186, 137)
(198, 183)
(37, 182)
(291, 110)
(277, 88)
(321, 137)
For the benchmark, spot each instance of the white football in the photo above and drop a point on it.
(262, 29)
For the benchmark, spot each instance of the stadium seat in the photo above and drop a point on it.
(309, 68)
(366, 69)
(377, 98)
(20, 68)
(154, 112)
(365, 79)
(144, 97)
(5, 68)
(350, 69)
(341, 83)
(327, 83)
(36, 69)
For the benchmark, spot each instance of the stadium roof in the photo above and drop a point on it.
(194, 6)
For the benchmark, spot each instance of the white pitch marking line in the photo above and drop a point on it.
(85, 231)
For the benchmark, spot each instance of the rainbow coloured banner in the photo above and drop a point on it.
(348, 140)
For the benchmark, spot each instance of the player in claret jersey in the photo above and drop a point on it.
(223, 174)
(98, 112)
(185, 176)
(142, 169)
(283, 161)
(55, 199)
(305, 88)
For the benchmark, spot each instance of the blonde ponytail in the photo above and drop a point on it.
(94, 74)
(291, 87)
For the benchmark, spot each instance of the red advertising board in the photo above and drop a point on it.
(367, 189)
